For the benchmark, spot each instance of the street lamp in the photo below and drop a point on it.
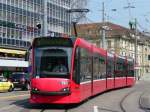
(75, 22)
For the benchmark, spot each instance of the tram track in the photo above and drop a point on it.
(44, 110)
(139, 101)
(123, 99)
(122, 108)
(53, 109)
(10, 107)
(121, 103)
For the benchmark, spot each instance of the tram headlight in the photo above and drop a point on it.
(67, 89)
(64, 82)
(35, 89)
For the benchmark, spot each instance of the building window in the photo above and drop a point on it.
(145, 49)
(1, 14)
(149, 57)
(109, 43)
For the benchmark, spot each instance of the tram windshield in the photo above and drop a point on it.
(52, 62)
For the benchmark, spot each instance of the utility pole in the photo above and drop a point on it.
(133, 27)
(103, 26)
(135, 61)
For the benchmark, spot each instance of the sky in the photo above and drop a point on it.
(140, 10)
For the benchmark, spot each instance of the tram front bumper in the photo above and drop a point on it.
(64, 91)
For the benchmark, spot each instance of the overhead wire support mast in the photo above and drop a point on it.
(103, 28)
(137, 77)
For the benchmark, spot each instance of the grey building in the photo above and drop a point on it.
(19, 19)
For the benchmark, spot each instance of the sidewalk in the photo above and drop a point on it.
(145, 98)
(145, 77)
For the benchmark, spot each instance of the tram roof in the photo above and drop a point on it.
(44, 41)
(57, 41)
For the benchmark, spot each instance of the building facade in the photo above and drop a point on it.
(19, 19)
(119, 40)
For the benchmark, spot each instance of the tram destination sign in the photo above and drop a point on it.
(45, 41)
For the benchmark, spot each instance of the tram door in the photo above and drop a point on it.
(99, 73)
(110, 72)
(120, 76)
(86, 71)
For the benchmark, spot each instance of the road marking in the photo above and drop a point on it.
(15, 96)
(95, 108)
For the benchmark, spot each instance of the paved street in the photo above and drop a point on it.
(121, 100)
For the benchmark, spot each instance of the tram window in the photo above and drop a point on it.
(96, 67)
(130, 70)
(117, 72)
(119, 69)
(99, 67)
(110, 68)
(102, 68)
(85, 66)
(132, 73)
(76, 72)
(53, 62)
(53, 59)
(125, 68)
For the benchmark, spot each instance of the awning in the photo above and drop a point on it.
(12, 51)
(13, 63)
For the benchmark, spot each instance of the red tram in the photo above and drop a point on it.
(88, 70)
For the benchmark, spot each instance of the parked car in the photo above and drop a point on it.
(20, 80)
(5, 85)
